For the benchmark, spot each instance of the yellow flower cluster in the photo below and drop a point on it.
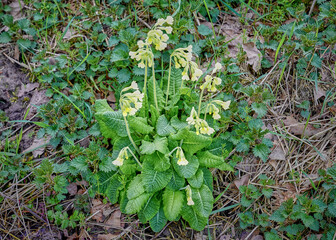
(200, 124)
(157, 37)
(182, 58)
(131, 102)
(211, 82)
(143, 54)
(182, 161)
(189, 196)
(213, 109)
(121, 157)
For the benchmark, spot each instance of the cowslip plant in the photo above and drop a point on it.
(166, 136)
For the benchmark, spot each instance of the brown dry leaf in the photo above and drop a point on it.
(319, 93)
(108, 236)
(69, 33)
(111, 97)
(97, 210)
(72, 189)
(114, 220)
(253, 55)
(38, 146)
(242, 181)
(283, 195)
(73, 236)
(277, 152)
(298, 128)
(17, 9)
(273, 163)
(16, 53)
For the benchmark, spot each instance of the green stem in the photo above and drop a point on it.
(129, 135)
(199, 103)
(168, 86)
(145, 81)
(136, 159)
(154, 87)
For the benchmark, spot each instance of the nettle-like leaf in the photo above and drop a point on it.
(163, 127)
(262, 151)
(139, 125)
(189, 170)
(111, 122)
(158, 221)
(154, 180)
(192, 142)
(259, 108)
(172, 203)
(203, 200)
(160, 161)
(195, 221)
(159, 144)
(207, 159)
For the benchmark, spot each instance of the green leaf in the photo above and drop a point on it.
(5, 37)
(172, 203)
(203, 200)
(159, 144)
(189, 170)
(332, 172)
(159, 161)
(262, 151)
(154, 180)
(259, 108)
(158, 222)
(175, 82)
(154, 115)
(177, 124)
(195, 221)
(163, 127)
(207, 159)
(135, 188)
(135, 205)
(112, 191)
(139, 125)
(196, 181)
(159, 94)
(192, 142)
(204, 30)
(151, 208)
(123, 75)
(332, 208)
(207, 176)
(80, 163)
(111, 122)
(176, 182)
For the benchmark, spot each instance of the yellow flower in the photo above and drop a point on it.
(182, 161)
(193, 116)
(189, 196)
(121, 157)
(214, 111)
(131, 102)
(224, 105)
(143, 54)
(211, 83)
(204, 127)
(218, 67)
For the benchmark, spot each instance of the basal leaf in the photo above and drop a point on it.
(207, 177)
(154, 180)
(151, 208)
(111, 122)
(203, 200)
(196, 181)
(176, 182)
(172, 203)
(135, 188)
(158, 221)
(159, 144)
(189, 170)
(112, 191)
(136, 204)
(195, 221)
(163, 127)
(192, 142)
(139, 125)
(158, 160)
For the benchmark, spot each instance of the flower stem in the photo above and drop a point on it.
(145, 81)
(199, 103)
(129, 135)
(136, 159)
(168, 84)
(154, 88)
